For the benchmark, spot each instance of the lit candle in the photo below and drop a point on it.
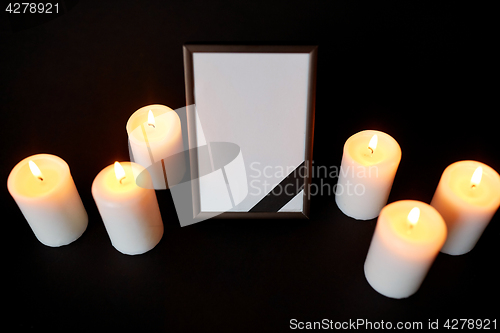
(130, 212)
(369, 165)
(467, 196)
(45, 192)
(407, 239)
(154, 133)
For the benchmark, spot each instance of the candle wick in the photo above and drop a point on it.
(410, 228)
(152, 125)
(39, 177)
(371, 150)
(473, 186)
(122, 179)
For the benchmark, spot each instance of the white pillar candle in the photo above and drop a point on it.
(467, 196)
(130, 212)
(45, 192)
(155, 133)
(407, 239)
(369, 165)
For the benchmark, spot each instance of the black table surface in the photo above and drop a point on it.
(69, 82)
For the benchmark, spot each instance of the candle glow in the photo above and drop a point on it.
(50, 201)
(476, 177)
(119, 172)
(130, 213)
(35, 170)
(413, 216)
(151, 119)
(369, 162)
(400, 254)
(155, 134)
(467, 196)
(373, 143)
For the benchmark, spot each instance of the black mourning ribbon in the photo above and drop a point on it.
(282, 193)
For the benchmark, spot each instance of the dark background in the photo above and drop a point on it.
(421, 72)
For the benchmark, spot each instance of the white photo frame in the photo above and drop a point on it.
(261, 99)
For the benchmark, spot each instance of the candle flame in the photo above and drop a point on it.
(413, 216)
(373, 143)
(151, 119)
(119, 172)
(35, 170)
(476, 177)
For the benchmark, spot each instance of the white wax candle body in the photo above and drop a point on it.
(366, 177)
(400, 256)
(52, 206)
(466, 209)
(152, 143)
(130, 213)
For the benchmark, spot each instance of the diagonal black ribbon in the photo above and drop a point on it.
(282, 193)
